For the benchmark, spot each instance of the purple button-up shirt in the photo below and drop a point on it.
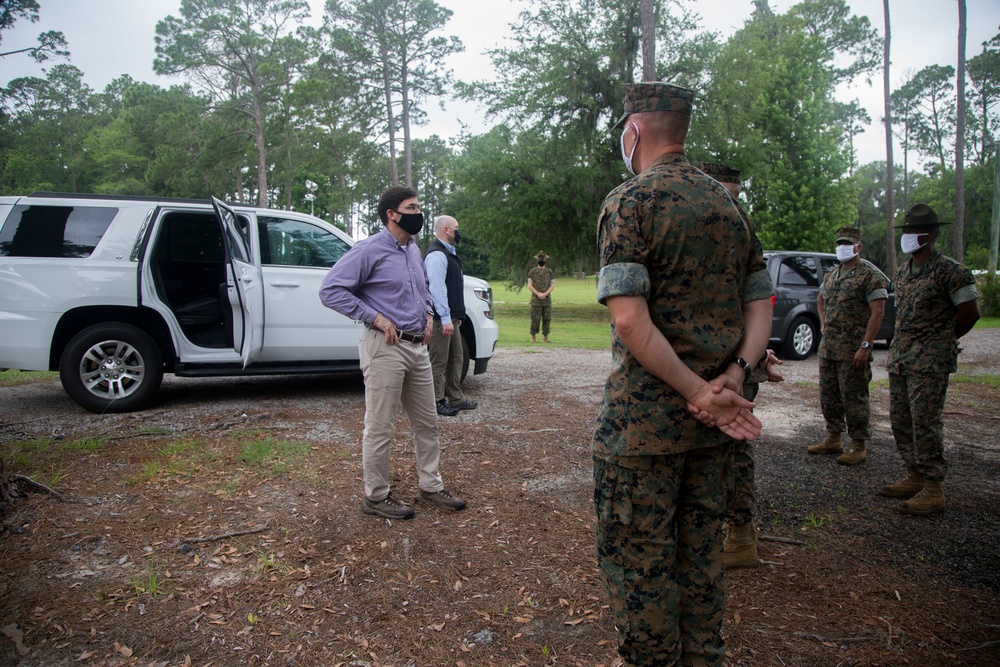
(376, 276)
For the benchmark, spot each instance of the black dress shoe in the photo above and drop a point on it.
(464, 405)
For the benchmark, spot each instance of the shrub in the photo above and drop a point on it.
(989, 296)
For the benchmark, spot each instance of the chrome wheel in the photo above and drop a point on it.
(112, 369)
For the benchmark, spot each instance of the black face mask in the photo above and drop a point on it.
(541, 264)
(458, 236)
(411, 223)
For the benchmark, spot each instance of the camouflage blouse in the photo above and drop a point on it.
(926, 298)
(847, 296)
(541, 277)
(673, 236)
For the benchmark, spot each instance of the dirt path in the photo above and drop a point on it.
(222, 526)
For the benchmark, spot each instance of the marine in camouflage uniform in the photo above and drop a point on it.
(680, 274)
(851, 307)
(541, 282)
(937, 303)
(740, 550)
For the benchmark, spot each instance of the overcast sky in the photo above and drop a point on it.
(108, 38)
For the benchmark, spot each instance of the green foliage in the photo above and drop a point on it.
(989, 296)
(778, 124)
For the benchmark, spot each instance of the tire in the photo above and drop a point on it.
(465, 358)
(802, 338)
(112, 367)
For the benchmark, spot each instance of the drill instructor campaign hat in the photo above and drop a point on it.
(919, 218)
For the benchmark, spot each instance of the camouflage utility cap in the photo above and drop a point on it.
(656, 96)
(541, 256)
(919, 217)
(721, 172)
(850, 234)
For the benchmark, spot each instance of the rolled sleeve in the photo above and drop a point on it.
(758, 286)
(964, 294)
(877, 294)
(623, 279)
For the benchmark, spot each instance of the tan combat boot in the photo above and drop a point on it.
(533, 338)
(854, 455)
(908, 488)
(741, 547)
(930, 500)
(832, 444)
(545, 338)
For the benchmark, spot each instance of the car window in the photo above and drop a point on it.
(296, 243)
(54, 231)
(798, 271)
(828, 264)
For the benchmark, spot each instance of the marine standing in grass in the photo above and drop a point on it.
(541, 282)
(851, 307)
(689, 297)
(936, 304)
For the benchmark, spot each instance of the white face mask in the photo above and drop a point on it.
(627, 159)
(910, 243)
(845, 253)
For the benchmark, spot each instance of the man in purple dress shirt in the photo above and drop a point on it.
(381, 283)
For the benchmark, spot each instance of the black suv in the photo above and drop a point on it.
(797, 277)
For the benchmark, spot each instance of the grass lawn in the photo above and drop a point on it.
(577, 319)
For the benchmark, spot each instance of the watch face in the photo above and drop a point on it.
(865, 344)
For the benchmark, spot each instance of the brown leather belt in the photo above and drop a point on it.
(408, 336)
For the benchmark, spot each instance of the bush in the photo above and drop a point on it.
(989, 296)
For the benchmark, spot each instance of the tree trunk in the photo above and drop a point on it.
(387, 87)
(958, 242)
(890, 172)
(995, 222)
(648, 40)
(407, 142)
(258, 137)
(348, 219)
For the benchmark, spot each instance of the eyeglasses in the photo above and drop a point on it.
(412, 208)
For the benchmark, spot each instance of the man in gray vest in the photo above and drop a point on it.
(447, 287)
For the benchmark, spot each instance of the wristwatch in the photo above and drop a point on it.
(865, 345)
(742, 363)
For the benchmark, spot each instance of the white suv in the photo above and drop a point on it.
(114, 291)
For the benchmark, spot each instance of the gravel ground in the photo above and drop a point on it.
(859, 585)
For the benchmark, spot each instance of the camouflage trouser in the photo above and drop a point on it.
(541, 311)
(915, 406)
(843, 396)
(739, 474)
(659, 548)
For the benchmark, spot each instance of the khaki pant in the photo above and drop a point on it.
(446, 361)
(397, 374)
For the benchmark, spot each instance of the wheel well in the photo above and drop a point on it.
(75, 321)
(469, 334)
(805, 314)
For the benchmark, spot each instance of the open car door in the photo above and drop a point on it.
(244, 285)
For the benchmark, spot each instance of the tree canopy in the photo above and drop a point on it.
(264, 103)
